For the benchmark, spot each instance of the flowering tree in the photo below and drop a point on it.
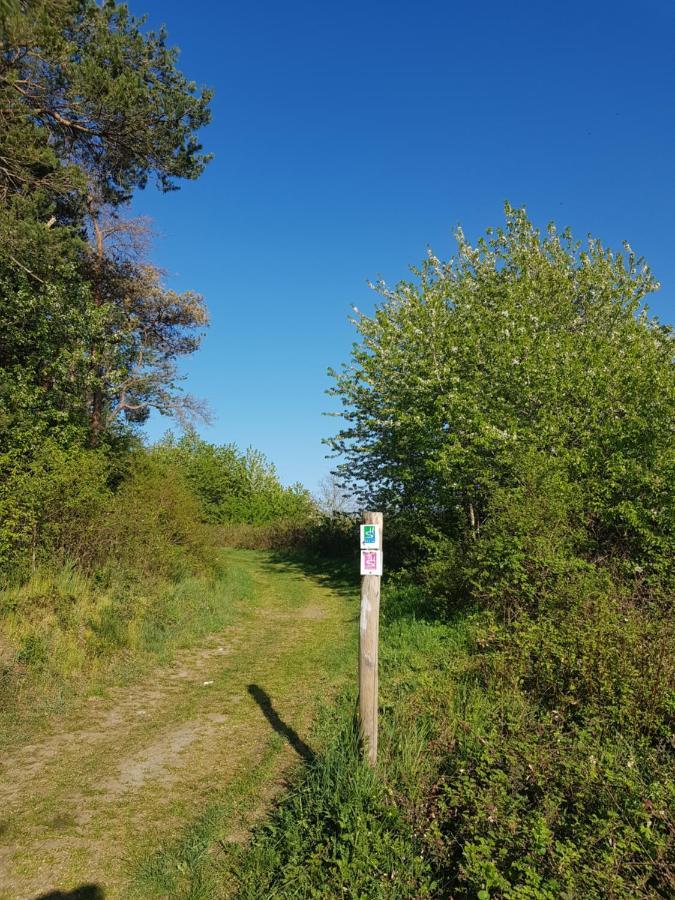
(528, 353)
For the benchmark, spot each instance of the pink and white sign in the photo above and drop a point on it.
(371, 562)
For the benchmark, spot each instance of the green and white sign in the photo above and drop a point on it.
(370, 537)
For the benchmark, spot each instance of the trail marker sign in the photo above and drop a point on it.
(371, 570)
(371, 562)
(371, 538)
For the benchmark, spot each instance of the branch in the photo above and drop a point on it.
(26, 269)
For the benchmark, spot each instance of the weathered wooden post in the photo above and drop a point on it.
(371, 572)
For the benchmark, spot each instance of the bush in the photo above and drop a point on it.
(283, 535)
(50, 505)
(557, 778)
(602, 662)
(535, 811)
(86, 506)
(153, 526)
(333, 537)
(530, 805)
(234, 487)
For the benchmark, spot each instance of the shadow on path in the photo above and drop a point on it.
(339, 575)
(263, 700)
(84, 892)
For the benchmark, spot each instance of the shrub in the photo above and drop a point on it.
(281, 535)
(87, 506)
(602, 662)
(326, 536)
(50, 505)
(557, 776)
(528, 807)
(153, 525)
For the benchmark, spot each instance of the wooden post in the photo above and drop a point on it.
(368, 643)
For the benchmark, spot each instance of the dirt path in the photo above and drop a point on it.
(85, 803)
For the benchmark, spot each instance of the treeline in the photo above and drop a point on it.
(93, 109)
(512, 411)
(234, 487)
(107, 546)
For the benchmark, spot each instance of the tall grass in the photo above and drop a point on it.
(64, 633)
(346, 829)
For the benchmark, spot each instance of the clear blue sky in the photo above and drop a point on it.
(349, 136)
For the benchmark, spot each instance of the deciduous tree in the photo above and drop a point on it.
(527, 346)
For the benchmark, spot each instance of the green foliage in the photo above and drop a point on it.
(512, 764)
(318, 537)
(8, 8)
(83, 506)
(89, 87)
(531, 544)
(558, 780)
(45, 331)
(93, 107)
(153, 525)
(235, 487)
(51, 505)
(536, 813)
(526, 347)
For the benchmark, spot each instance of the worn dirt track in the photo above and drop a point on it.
(128, 770)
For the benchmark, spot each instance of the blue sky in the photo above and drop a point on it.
(348, 137)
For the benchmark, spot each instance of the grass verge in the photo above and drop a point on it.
(65, 634)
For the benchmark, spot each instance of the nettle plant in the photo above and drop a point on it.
(524, 372)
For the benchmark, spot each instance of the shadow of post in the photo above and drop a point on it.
(83, 892)
(263, 700)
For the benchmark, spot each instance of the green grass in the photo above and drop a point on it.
(341, 829)
(206, 738)
(481, 789)
(345, 830)
(485, 785)
(196, 862)
(65, 635)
